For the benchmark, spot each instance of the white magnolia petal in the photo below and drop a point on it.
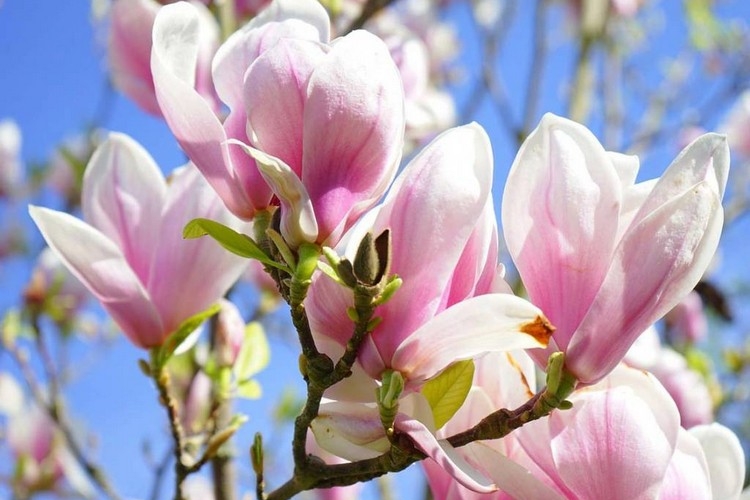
(350, 430)
(298, 224)
(492, 322)
(101, 266)
(509, 476)
(122, 196)
(444, 454)
(725, 459)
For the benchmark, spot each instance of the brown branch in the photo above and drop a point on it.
(369, 10)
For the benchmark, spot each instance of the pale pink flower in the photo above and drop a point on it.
(327, 117)
(687, 321)
(442, 313)
(736, 126)
(621, 439)
(604, 257)
(230, 333)
(34, 439)
(130, 254)
(129, 49)
(686, 386)
(11, 166)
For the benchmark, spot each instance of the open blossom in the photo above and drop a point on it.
(129, 50)
(130, 252)
(621, 439)
(602, 256)
(328, 118)
(443, 312)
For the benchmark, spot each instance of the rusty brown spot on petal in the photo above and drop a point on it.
(541, 329)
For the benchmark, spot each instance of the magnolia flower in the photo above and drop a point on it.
(501, 380)
(442, 313)
(10, 157)
(35, 442)
(687, 321)
(328, 118)
(621, 439)
(686, 386)
(130, 253)
(735, 126)
(130, 52)
(604, 257)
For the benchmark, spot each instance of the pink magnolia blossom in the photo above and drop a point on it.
(130, 52)
(621, 439)
(230, 333)
(328, 118)
(604, 257)
(686, 386)
(34, 439)
(736, 126)
(130, 253)
(442, 313)
(11, 166)
(687, 321)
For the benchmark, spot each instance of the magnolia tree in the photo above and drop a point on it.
(330, 174)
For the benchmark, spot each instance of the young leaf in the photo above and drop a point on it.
(237, 243)
(249, 389)
(179, 336)
(447, 392)
(254, 354)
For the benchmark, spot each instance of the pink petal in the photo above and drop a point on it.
(189, 116)
(101, 266)
(488, 323)
(594, 446)
(659, 260)
(476, 269)
(275, 93)
(282, 19)
(123, 194)
(353, 130)
(187, 276)
(687, 475)
(560, 208)
(443, 454)
(130, 50)
(436, 201)
(298, 221)
(509, 476)
(352, 431)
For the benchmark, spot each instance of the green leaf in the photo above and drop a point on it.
(249, 389)
(254, 354)
(173, 342)
(447, 392)
(237, 243)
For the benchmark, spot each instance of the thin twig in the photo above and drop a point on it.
(369, 10)
(54, 410)
(534, 82)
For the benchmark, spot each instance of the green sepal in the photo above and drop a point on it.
(309, 254)
(447, 392)
(282, 247)
(256, 454)
(160, 355)
(237, 243)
